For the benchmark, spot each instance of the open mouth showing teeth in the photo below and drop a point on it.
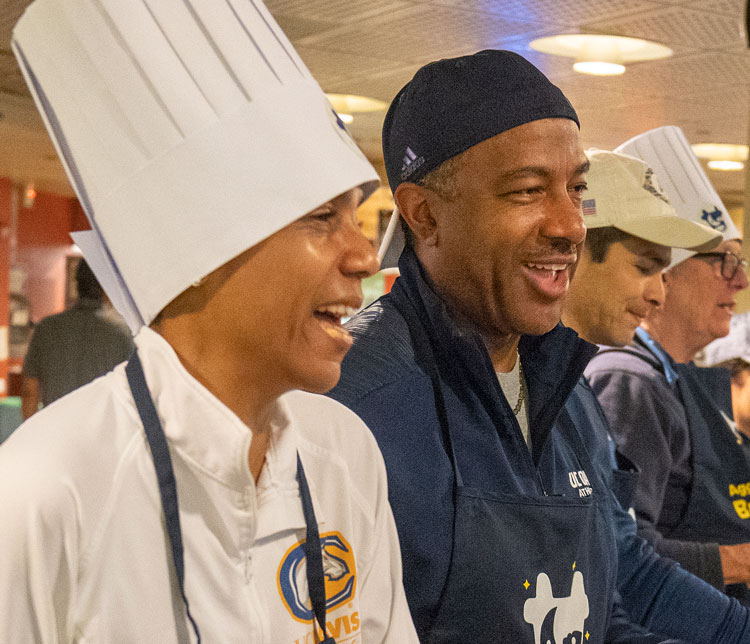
(552, 268)
(330, 319)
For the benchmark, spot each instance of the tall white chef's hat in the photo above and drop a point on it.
(190, 129)
(688, 189)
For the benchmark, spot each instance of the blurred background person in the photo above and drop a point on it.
(72, 348)
(732, 353)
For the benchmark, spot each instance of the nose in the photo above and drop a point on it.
(359, 258)
(654, 292)
(564, 219)
(739, 281)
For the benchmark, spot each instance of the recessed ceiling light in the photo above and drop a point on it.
(600, 54)
(722, 156)
(726, 165)
(598, 68)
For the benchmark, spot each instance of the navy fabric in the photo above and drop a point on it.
(657, 593)
(383, 381)
(572, 562)
(455, 103)
(637, 401)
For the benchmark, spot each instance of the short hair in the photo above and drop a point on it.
(599, 240)
(442, 181)
(88, 286)
(735, 366)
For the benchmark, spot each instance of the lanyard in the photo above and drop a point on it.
(157, 442)
(646, 340)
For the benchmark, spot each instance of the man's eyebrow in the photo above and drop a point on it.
(540, 171)
(526, 171)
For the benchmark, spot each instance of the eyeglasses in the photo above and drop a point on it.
(730, 263)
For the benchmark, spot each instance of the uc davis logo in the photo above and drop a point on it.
(338, 570)
(557, 619)
(714, 219)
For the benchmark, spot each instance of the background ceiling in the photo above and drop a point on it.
(374, 48)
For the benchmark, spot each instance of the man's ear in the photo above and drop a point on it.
(414, 204)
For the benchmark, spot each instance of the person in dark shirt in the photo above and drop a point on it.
(72, 348)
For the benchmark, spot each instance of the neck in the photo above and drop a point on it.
(676, 338)
(240, 385)
(503, 352)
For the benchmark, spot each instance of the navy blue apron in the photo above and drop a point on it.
(524, 569)
(157, 442)
(718, 507)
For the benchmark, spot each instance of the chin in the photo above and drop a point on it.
(321, 380)
(542, 323)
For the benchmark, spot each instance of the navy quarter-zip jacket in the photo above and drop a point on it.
(383, 383)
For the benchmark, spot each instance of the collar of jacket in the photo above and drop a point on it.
(644, 341)
(552, 363)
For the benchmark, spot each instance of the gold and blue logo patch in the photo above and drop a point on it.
(339, 571)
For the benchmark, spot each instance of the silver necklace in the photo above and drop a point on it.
(521, 388)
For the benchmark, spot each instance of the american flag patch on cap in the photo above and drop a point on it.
(589, 207)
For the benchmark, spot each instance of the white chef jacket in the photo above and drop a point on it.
(84, 556)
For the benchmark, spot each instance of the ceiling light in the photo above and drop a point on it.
(598, 68)
(726, 165)
(351, 103)
(346, 118)
(722, 156)
(601, 55)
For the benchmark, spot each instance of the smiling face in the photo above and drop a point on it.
(278, 306)
(700, 300)
(609, 299)
(505, 246)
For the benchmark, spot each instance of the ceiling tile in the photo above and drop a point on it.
(690, 27)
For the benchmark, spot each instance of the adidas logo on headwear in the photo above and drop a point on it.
(411, 164)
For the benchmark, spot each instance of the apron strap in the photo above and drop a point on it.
(313, 554)
(157, 442)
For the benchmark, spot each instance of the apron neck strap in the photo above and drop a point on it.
(159, 447)
(314, 555)
(157, 442)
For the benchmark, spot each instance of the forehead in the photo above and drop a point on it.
(546, 143)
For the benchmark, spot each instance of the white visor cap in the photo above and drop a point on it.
(190, 132)
(668, 153)
(624, 193)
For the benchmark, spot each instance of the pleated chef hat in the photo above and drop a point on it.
(688, 189)
(190, 129)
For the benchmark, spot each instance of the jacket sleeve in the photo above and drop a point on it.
(665, 598)
(622, 630)
(649, 427)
